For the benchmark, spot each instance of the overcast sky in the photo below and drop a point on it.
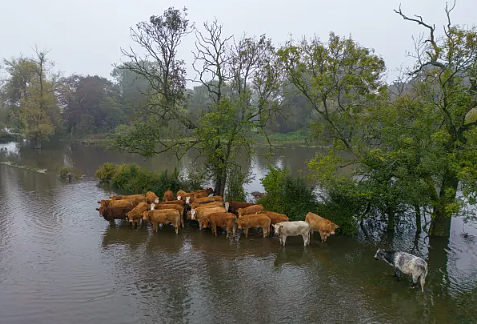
(85, 36)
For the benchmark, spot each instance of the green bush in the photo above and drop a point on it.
(236, 180)
(286, 194)
(106, 172)
(167, 181)
(70, 173)
(133, 179)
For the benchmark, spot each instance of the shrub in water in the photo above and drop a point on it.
(106, 172)
(286, 194)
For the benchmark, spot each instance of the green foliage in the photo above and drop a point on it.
(133, 179)
(236, 180)
(30, 88)
(286, 194)
(70, 173)
(167, 181)
(106, 172)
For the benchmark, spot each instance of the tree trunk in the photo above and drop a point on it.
(391, 220)
(417, 208)
(37, 142)
(441, 218)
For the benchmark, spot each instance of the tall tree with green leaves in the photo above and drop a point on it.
(31, 92)
(240, 80)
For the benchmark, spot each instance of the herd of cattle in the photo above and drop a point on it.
(210, 212)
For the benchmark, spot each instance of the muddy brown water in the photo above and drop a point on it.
(61, 263)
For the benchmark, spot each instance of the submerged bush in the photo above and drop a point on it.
(286, 194)
(70, 173)
(106, 172)
(133, 179)
(235, 182)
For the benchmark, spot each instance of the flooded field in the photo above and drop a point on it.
(61, 263)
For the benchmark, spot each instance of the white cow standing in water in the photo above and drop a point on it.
(285, 229)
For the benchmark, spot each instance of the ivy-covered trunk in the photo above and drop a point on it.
(442, 211)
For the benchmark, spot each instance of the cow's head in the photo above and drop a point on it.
(239, 223)
(179, 197)
(153, 206)
(239, 212)
(205, 222)
(277, 228)
(188, 200)
(145, 215)
(333, 226)
(192, 213)
(102, 210)
(227, 205)
(379, 254)
(156, 200)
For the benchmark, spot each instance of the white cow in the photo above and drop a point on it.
(285, 229)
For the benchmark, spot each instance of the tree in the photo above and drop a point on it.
(238, 82)
(31, 91)
(414, 147)
(445, 91)
(91, 104)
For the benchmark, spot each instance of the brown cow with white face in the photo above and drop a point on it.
(322, 225)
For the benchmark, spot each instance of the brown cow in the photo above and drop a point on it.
(224, 220)
(162, 216)
(173, 202)
(252, 221)
(135, 215)
(254, 209)
(178, 207)
(151, 197)
(112, 213)
(322, 225)
(202, 193)
(134, 199)
(182, 195)
(116, 203)
(213, 198)
(202, 212)
(168, 196)
(119, 197)
(233, 206)
(276, 217)
(195, 204)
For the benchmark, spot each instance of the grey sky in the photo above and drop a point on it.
(85, 36)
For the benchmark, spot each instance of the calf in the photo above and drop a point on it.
(285, 229)
(177, 207)
(322, 225)
(135, 215)
(112, 213)
(215, 220)
(233, 206)
(254, 209)
(162, 216)
(168, 196)
(151, 197)
(252, 221)
(406, 263)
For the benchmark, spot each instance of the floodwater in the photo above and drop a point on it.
(61, 263)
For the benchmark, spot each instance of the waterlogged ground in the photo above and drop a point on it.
(61, 263)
